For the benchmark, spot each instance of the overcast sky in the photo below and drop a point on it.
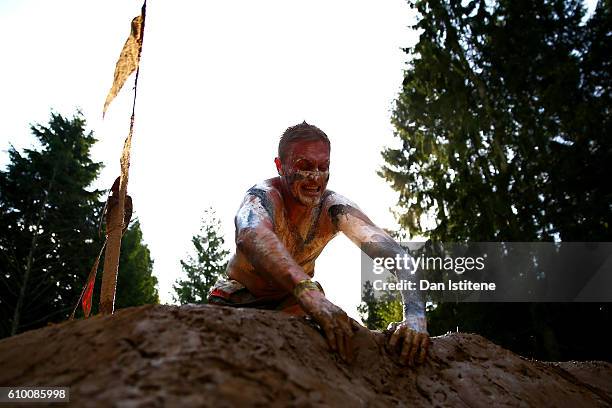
(219, 82)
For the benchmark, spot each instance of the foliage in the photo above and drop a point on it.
(504, 119)
(375, 313)
(49, 235)
(48, 220)
(500, 105)
(136, 284)
(204, 267)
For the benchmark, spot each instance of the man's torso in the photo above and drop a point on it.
(304, 240)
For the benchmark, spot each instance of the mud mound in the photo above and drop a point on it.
(193, 356)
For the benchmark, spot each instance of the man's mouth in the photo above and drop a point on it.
(311, 190)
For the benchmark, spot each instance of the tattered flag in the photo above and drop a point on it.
(118, 208)
(87, 292)
(128, 59)
(86, 302)
(109, 208)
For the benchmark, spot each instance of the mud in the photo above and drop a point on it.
(194, 356)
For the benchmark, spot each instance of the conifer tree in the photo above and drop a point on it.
(202, 268)
(504, 119)
(48, 225)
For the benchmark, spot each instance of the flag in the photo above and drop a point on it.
(128, 59)
(87, 292)
(86, 302)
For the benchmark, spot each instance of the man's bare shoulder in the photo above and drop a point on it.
(266, 190)
(334, 202)
(265, 195)
(337, 205)
(332, 198)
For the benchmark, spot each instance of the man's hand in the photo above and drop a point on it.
(413, 339)
(335, 322)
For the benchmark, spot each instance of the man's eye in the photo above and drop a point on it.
(303, 165)
(324, 167)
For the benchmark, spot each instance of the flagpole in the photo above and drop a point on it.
(115, 217)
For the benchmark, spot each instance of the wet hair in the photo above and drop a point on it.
(301, 132)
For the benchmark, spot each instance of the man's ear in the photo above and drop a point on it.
(279, 166)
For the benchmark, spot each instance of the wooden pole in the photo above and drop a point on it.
(115, 217)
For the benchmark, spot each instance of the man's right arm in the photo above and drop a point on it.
(256, 239)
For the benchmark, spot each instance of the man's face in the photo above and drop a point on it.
(305, 171)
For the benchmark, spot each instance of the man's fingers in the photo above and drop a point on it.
(338, 329)
(348, 343)
(406, 346)
(329, 335)
(414, 344)
(423, 351)
(341, 343)
(349, 349)
(344, 333)
(397, 334)
(414, 347)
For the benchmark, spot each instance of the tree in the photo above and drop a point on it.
(48, 225)
(136, 284)
(369, 308)
(375, 313)
(204, 267)
(504, 119)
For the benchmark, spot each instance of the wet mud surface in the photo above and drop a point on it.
(199, 356)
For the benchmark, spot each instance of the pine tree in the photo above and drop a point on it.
(204, 267)
(369, 308)
(136, 284)
(377, 313)
(504, 119)
(48, 221)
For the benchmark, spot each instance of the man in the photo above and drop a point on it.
(283, 225)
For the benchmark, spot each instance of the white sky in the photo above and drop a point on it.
(219, 82)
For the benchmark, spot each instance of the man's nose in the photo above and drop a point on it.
(318, 174)
(313, 175)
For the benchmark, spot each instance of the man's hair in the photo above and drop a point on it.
(301, 132)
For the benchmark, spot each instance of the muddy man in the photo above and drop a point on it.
(283, 225)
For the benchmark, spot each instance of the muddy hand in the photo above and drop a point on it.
(334, 321)
(413, 342)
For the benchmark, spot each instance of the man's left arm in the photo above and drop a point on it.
(375, 242)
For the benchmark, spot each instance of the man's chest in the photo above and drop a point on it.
(305, 240)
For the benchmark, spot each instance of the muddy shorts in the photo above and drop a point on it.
(229, 292)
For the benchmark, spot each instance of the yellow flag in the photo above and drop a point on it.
(129, 58)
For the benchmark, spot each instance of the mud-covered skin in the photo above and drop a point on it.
(282, 227)
(409, 336)
(291, 251)
(378, 244)
(294, 248)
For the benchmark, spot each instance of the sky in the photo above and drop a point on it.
(219, 83)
